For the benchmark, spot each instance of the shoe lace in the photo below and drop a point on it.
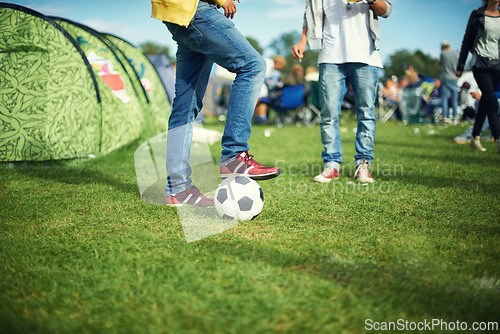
(248, 158)
(362, 169)
(195, 191)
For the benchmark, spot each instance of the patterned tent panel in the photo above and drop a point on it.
(123, 114)
(150, 80)
(49, 106)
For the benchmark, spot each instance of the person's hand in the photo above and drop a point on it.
(298, 51)
(230, 8)
(458, 73)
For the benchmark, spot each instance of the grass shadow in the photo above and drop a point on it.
(404, 286)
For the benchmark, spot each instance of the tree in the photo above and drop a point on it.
(151, 48)
(401, 60)
(283, 46)
(255, 44)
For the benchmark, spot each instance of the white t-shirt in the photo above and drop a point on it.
(346, 34)
(487, 45)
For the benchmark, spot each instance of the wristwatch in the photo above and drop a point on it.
(371, 2)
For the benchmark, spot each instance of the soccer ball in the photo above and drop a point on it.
(239, 197)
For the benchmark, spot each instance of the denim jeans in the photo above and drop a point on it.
(333, 86)
(209, 38)
(449, 88)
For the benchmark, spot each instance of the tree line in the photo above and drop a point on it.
(397, 64)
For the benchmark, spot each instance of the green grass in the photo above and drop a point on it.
(81, 253)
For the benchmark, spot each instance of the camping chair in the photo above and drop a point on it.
(411, 105)
(386, 106)
(290, 98)
(311, 113)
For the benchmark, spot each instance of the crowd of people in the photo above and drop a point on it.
(347, 37)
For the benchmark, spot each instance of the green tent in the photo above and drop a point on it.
(123, 101)
(50, 106)
(150, 80)
(68, 91)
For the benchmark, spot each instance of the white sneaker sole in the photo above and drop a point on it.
(368, 180)
(322, 179)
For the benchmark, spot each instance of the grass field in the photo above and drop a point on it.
(80, 252)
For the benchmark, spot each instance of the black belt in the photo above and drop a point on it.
(209, 2)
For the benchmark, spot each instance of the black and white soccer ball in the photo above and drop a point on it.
(239, 197)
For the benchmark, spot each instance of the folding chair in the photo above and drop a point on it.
(291, 98)
(411, 105)
(391, 110)
(311, 112)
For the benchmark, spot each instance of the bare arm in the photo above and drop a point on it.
(379, 7)
(299, 49)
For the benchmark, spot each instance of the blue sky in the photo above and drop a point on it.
(414, 24)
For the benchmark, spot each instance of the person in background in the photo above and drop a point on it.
(348, 36)
(204, 35)
(312, 73)
(481, 38)
(449, 87)
(295, 77)
(270, 88)
(466, 136)
(432, 99)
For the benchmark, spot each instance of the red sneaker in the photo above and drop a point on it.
(244, 164)
(328, 174)
(190, 196)
(362, 173)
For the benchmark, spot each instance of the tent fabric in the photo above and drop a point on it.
(45, 83)
(122, 99)
(68, 91)
(166, 73)
(153, 85)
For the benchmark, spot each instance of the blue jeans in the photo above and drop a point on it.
(332, 82)
(209, 38)
(449, 87)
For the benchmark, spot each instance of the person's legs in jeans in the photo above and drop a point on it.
(453, 87)
(444, 91)
(192, 75)
(227, 47)
(210, 37)
(332, 88)
(364, 80)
